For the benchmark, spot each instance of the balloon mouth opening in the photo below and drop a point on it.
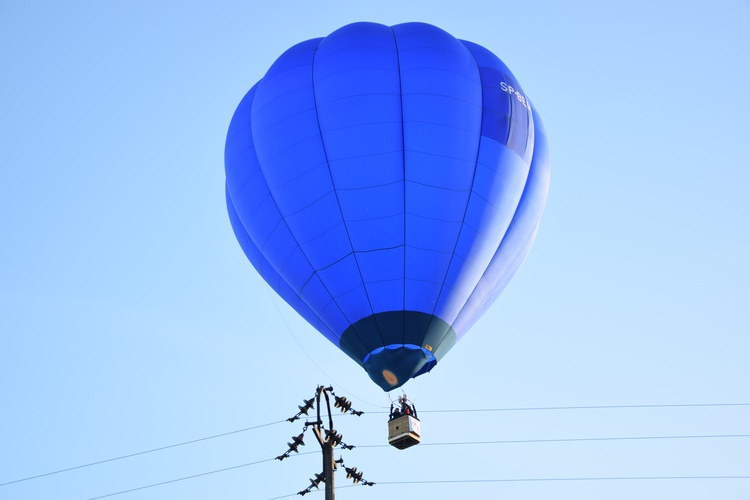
(393, 365)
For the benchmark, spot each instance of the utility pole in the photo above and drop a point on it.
(328, 438)
(327, 443)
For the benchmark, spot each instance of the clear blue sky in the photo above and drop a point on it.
(130, 319)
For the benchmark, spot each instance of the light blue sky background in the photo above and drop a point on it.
(130, 319)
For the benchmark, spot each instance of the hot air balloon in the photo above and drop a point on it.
(387, 182)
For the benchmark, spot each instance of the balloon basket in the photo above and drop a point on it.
(403, 432)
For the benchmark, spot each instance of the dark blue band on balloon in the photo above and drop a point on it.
(403, 344)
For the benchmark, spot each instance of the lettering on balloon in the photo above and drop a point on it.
(510, 90)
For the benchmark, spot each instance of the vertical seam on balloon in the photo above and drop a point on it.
(466, 209)
(530, 133)
(510, 225)
(403, 166)
(264, 259)
(515, 257)
(341, 212)
(314, 272)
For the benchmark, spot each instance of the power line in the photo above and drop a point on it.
(597, 407)
(140, 453)
(721, 436)
(460, 410)
(516, 480)
(193, 476)
(571, 440)
(182, 479)
(543, 479)
(563, 408)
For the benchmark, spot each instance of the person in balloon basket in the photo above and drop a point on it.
(405, 409)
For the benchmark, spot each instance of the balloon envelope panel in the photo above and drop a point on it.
(387, 182)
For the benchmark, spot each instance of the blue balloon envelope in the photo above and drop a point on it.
(387, 182)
